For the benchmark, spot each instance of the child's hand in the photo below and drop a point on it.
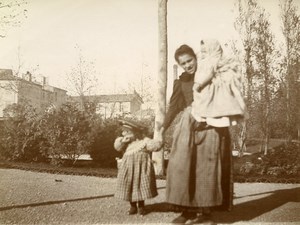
(126, 139)
(119, 145)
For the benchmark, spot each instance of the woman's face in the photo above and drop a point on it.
(188, 63)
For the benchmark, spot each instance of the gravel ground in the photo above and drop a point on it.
(41, 198)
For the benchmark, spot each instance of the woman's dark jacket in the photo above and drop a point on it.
(182, 97)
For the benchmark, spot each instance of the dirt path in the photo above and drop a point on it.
(41, 198)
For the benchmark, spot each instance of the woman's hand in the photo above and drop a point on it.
(197, 87)
(160, 135)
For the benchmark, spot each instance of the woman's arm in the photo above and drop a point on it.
(176, 104)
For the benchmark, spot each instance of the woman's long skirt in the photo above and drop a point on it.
(199, 169)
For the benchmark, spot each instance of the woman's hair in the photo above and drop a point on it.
(184, 49)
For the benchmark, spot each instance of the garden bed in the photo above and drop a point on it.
(84, 169)
(279, 166)
(92, 170)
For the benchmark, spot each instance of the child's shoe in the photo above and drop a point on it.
(142, 211)
(132, 210)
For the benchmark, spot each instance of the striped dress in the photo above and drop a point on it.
(136, 178)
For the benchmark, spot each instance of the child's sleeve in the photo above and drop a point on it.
(153, 145)
(119, 145)
(203, 76)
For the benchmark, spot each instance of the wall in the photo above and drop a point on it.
(7, 95)
(33, 93)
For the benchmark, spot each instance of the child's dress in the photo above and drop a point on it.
(136, 177)
(220, 103)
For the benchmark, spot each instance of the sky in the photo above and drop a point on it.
(119, 36)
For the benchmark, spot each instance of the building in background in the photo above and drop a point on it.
(113, 105)
(41, 95)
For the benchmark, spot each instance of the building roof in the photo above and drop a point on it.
(7, 74)
(110, 98)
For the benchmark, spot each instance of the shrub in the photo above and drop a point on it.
(67, 133)
(283, 160)
(280, 162)
(104, 134)
(20, 137)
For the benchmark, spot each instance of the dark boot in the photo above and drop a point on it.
(206, 214)
(133, 208)
(141, 208)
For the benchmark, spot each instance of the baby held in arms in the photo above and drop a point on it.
(218, 100)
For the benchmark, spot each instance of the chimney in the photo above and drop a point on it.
(45, 81)
(29, 75)
(175, 71)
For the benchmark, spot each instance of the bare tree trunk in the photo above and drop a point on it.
(266, 130)
(242, 139)
(288, 91)
(268, 114)
(158, 157)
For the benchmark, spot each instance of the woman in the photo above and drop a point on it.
(198, 174)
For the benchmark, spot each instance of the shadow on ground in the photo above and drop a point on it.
(249, 210)
(246, 211)
(61, 201)
(52, 202)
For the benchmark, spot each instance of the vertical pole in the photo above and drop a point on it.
(175, 71)
(158, 157)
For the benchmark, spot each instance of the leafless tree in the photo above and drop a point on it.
(244, 24)
(82, 79)
(291, 30)
(260, 55)
(17, 82)
(264, 59)
(11, 14)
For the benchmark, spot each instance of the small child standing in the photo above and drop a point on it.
(218, 100)
(136, 178)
